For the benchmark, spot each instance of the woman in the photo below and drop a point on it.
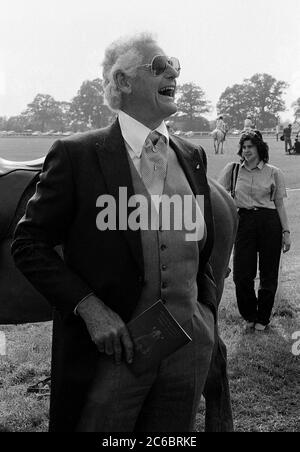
(248, 124)
(263, 228)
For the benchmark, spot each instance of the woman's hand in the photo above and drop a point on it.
(286, 237)
(286, 241)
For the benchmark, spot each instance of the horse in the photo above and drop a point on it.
(21, 303)
(219, 138)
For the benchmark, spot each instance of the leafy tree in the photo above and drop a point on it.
(260, 95)
(296, 106)
(17, 123)
(3, 121)
(195, 124)
(265, 93)
(87, 108)
(234, 105)
(43, 112)
(191, 101)
(63, 119)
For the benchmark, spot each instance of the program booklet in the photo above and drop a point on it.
(156, 334)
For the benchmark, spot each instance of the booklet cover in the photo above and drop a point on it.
(156, 334)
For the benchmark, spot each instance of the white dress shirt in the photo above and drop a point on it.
(135, 134)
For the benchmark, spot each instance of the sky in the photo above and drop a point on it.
(51, 47)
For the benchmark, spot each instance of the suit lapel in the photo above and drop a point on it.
(114, 164)
(192, 164)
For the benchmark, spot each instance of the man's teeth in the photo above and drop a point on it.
(167, 91)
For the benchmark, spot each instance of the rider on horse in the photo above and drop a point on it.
(220, 125)
(219, 134)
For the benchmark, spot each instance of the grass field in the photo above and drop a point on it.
(20, 148)
(264, 374)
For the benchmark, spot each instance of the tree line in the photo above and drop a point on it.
(261, 96)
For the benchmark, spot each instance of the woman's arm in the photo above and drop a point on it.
(225, 176)
(286, 237)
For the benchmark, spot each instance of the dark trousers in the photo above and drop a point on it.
(259, 235)
(287, 142)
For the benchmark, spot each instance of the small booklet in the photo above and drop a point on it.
(156, 334)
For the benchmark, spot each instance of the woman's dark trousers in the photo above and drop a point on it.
(259, 236)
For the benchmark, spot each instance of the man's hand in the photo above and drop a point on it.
(106, 328)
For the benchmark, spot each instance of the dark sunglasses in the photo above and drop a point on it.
(160, 63)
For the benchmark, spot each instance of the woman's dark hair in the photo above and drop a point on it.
(257, 140)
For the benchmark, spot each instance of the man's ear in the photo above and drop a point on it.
(122, 82)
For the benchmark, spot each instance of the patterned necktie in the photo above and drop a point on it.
(154, 160)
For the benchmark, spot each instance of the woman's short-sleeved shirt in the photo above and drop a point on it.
(259, 187)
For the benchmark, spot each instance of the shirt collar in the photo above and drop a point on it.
(135, 133)
(259, 166)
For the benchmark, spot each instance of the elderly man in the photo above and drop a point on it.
(109, 276)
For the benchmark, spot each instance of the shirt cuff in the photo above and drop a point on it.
(81, 301)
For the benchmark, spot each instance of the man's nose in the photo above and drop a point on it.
(171, 72)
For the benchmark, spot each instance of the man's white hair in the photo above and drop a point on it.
(124, 55)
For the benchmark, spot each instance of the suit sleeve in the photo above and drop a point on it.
(45, 225)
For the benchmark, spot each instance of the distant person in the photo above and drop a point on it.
(248, 124)
(296, 147)
(258, 190)
(219, 135)
(220, 124)
(277, 131)
(287, 134)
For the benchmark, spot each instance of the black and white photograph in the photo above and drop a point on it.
(149, 219)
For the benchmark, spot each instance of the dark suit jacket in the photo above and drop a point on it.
(110, 263)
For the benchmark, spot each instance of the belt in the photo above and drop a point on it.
(253, 209)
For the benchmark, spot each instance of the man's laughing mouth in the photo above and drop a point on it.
(168, 91)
